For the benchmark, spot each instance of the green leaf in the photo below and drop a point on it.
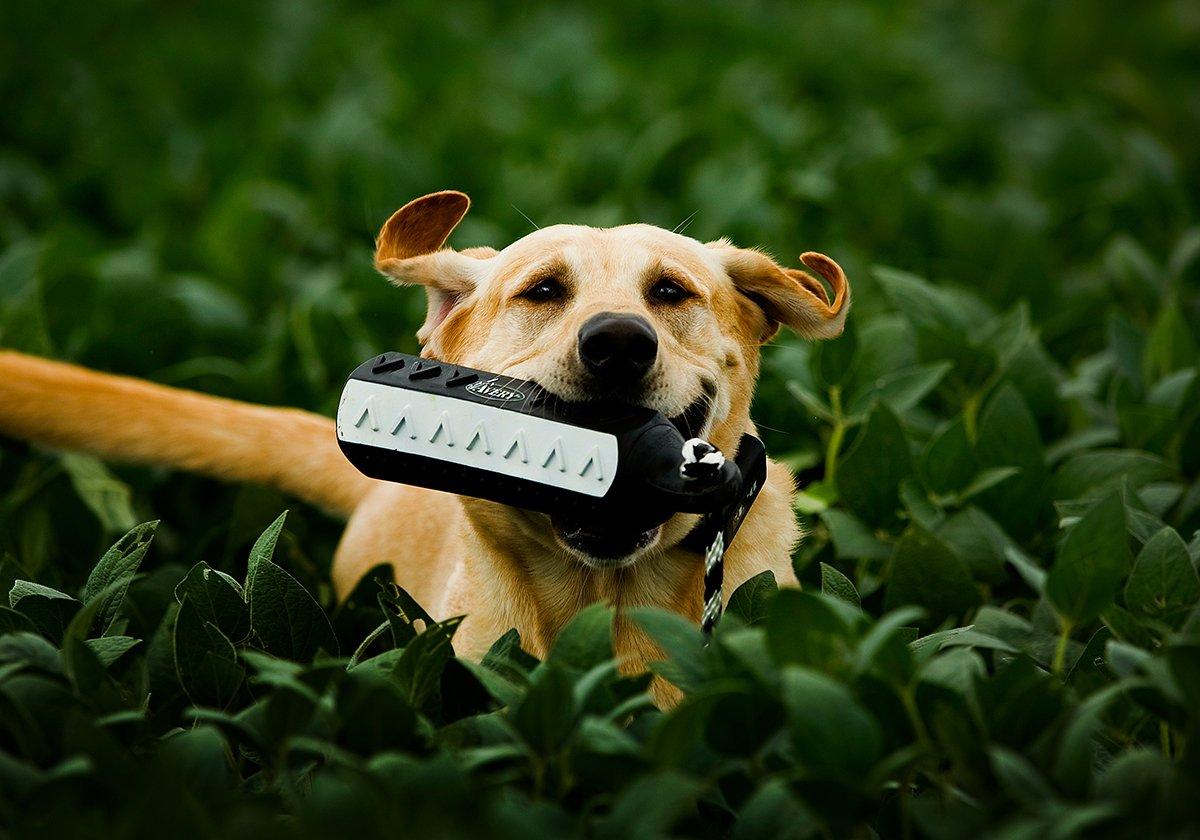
(774, 812)
(830, 732)
(811, 401)
(752, 599)
(419, 668)
(1099, 473)
(284, 616)
(375, 715)
(546, 714)
(869, 477)
(263, 549)
(1163, 581)
(507, 658)
(406, 617)
(925, 305)
(852, 540)
(49, 610)
(1008, 437)
(948, 463)
(900, 390)
(975, 536)
(1030, 572)
(1020, 779)
(1091, 563)
(926, 572)
(807, 629)
(680, 640)
(650, 806)
(218, 599)
(837, 585)
(110, 649)
(205, 660)
(118, 566)
(1170, 344)
(833, 361)
(104, 494)
(586, 641)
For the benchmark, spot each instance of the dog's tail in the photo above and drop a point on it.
(124, 419)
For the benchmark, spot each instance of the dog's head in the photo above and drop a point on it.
(635, 313)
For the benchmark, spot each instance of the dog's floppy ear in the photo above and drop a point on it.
(409, 251)
(790, 296)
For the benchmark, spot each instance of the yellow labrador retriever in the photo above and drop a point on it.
(633, 312)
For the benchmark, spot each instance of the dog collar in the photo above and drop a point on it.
(713, 534)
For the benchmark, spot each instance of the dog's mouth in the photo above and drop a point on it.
(614, 544)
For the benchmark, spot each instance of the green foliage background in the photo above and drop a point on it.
(1005, 440)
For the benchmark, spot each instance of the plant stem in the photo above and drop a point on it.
(1060, 651)
(835, 436)
(970, 412)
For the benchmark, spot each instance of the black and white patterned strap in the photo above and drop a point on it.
(713, 534)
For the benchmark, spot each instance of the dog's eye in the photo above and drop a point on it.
(544, 290)
(666, 290)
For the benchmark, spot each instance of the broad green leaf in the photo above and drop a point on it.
(109, 649)
(1099, 473)
(49, 610)
(975, 537)
(205, 660)
(1008, 437)
(118, 566)
(752, 599)
(105, 495)
(948, 463)
(218, 599)
(1163, 581)
(283, 615)
(869, 476)
(586, 641)
(833, 361)
(926, 572)
(507, 658)
(263, 550)
(375, 715)
(651, 806)
(900, 390)
(807, 629)
(681, 642)
(773, 812)
(419, 668)
(1091, 563)
(1020, 779)
(1170, 344)
(545, 715)
(852, 540)
(837, 585)
(285, 618)
(831, 733)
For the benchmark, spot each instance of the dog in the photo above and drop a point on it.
(636, 313)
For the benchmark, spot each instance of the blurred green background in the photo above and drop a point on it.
(189, 191)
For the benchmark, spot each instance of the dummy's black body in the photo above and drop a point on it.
(647, 489)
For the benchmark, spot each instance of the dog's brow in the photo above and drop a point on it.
(539, 265)
(675, 270)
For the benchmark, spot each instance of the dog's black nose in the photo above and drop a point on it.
(618, 349)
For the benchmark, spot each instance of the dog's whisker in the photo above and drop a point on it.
(682, 226)
(522, 212)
